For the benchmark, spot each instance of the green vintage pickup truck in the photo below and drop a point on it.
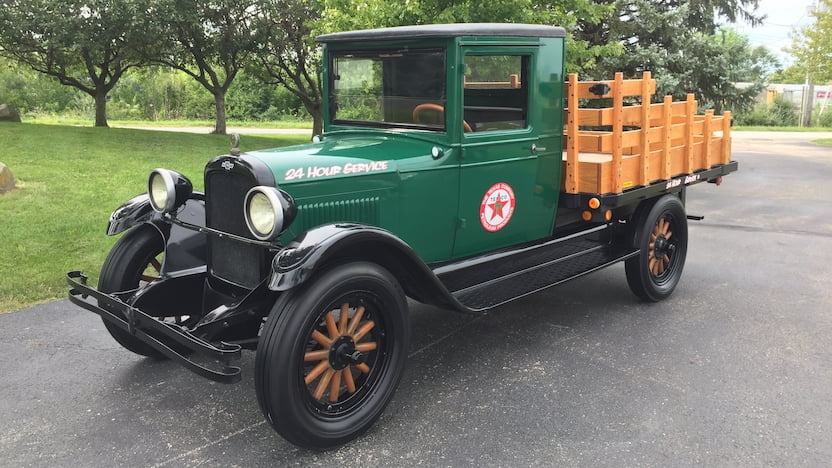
(459, 167)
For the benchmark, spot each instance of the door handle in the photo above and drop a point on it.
(536, 148)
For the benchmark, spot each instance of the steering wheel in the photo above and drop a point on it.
(435, 107)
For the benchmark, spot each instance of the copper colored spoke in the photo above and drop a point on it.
(156, 264)
(348, 380)
(319, 355)
(322, 384)
(321, 339)
(363, 331)
(335, 387)
(314, 373)
(366, 347)
(149, 278)
(660, 267)
(363, 368)
(330, 326)
(652, 267)
(666, 259)
(345, 314)
(668, 235)
(356, 319)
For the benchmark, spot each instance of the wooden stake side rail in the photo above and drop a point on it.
(647, 142)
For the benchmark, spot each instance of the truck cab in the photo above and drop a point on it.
(456, 168)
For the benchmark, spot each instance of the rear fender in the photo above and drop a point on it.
(318, 248)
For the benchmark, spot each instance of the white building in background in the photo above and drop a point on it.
(796, 93)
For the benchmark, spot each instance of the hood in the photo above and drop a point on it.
(339, 156)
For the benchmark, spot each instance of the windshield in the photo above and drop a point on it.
(389, 88)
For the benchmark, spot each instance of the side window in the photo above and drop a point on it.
(496, 92)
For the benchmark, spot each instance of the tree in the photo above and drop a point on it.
(86, 44)
(344, 15)
(287, 54)
(210, 40)
(812, 45)
(682, 44)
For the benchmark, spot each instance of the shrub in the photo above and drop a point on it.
(779, 113)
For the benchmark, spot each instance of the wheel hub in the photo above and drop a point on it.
(661, 246)
(342, 353)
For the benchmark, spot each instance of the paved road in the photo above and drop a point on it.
(734, 370)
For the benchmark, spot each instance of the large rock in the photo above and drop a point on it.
(9, 113)
(6, 179)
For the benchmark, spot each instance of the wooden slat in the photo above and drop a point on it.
(726, 138)
(644, 142)
(617, 128)
(626, 88)
(512, 83)
(662, 140)
(708, 137)
(667, 135)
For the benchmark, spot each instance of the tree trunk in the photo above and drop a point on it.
(317, 113)
(219, 102)
(100, 108)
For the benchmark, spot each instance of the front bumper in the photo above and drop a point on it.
(157, 334)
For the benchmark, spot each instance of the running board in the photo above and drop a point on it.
(490, 284)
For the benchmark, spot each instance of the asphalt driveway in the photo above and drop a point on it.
(735, 369)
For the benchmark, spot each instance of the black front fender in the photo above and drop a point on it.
(324, 245)
(185, 249)
(133, 212)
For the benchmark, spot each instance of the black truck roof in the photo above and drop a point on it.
(446, 30)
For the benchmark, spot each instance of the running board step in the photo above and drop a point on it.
(486, 286)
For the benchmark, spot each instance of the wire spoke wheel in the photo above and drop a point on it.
(661, 235)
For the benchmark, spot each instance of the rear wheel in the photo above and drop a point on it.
(662, 237)
(331, 355)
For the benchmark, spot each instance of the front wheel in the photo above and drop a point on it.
(661, 235)
(331, 355)
(134, 262)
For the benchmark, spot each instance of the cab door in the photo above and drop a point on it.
(501, 202)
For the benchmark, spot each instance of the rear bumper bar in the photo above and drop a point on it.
(152, 331)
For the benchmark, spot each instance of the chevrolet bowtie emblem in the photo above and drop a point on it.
(227, 165)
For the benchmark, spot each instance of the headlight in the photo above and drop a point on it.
(168, 190)
(268, 211)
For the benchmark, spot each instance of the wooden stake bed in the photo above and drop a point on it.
(642, 144)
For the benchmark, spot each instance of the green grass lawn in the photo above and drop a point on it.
(69, 180)
(59, 120)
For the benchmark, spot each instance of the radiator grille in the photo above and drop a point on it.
(236, 262)
(359, 210)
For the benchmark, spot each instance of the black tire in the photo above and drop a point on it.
(319, 395)
(661, 234)
(134, 261)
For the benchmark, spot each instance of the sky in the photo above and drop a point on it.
(783, 16)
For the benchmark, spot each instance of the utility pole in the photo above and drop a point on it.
(808, 102)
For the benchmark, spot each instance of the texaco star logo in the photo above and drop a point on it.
(497, 207)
